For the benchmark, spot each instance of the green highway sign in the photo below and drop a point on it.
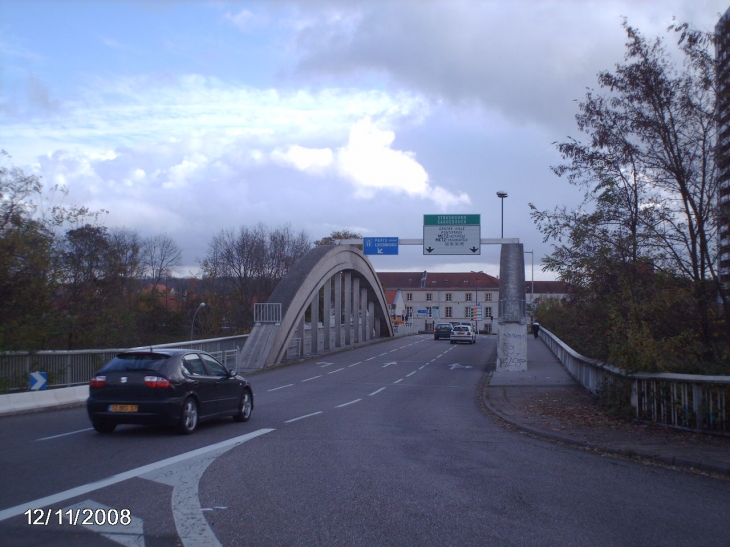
(452, 235)
(451, 220)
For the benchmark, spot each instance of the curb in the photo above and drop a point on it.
(707, 467)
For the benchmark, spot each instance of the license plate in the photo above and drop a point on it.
(123, 408)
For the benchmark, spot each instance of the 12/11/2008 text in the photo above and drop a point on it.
(79, 517)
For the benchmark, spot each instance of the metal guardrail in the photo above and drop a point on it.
(682, 401)
(71, 368)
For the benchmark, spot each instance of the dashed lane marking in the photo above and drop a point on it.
(312, 378)
(302, 417)
(350, 403)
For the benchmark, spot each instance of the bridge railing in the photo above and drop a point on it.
(70, 368)
(267, 312)
(683, 401)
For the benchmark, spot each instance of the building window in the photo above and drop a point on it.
(429, 297)
(409, 296)
(448, 297)
(488, 297)
(488, 311)
(429, 310)
(467, 312)
(409, 311)
(468, 297)
(449, 313)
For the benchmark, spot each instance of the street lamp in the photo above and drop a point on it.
(501, 195)
(192, 325)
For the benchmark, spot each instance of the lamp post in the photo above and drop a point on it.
(532, 283)
(476, 295)
(501, 195)
(192, 325)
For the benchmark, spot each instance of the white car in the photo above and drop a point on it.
(463, 333)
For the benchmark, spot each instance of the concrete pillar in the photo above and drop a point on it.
(512, 331)
(356, 308)
(364, 313)
(348, 307)
(371, 319)
(300, 335)
(327, 313)
(315, 323)
(338, 310)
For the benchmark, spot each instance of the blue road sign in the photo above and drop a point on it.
(380, 245)
(38, 380)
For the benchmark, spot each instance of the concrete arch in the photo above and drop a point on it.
(268, 342)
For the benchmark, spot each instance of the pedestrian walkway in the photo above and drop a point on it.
(546, 401)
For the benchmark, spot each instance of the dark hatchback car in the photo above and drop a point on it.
(177, 387)
(442, 330)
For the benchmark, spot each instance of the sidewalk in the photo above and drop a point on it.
(546, 401)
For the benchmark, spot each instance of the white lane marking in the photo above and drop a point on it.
(280, 387)
(370, 358)
(130, 535)
(398, 381)
(376, 392)
(338, 370)
(391, 363)
(64, 434)
(353, 364)
(302, 417)
(324, 364)
(419, 368)
(452, 366)
(312, 378)
(386, 353)
(391, 351)
(411, 374)
(350, 403)
(54, 499)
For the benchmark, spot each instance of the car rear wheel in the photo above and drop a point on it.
(189, 417)
(245, 407)
(104, 427)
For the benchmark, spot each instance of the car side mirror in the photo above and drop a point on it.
(231, 373)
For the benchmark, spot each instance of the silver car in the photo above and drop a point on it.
(463, 333)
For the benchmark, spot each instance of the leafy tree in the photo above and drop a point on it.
(338, 234)
(645, 235)
(27, 280)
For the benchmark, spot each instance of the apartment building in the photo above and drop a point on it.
(425, 298)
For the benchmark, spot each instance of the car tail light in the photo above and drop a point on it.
(97, 381)
(156, 381)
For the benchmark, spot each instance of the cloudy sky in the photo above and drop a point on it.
(188, 117)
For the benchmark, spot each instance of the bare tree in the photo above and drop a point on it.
(160, 254)
(243, 266)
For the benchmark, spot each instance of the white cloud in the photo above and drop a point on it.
(310, 160)
(370, 163)
(244, 19)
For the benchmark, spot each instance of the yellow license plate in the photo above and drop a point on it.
(123, 408)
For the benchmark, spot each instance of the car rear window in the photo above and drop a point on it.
(136, 361)
(461, 329)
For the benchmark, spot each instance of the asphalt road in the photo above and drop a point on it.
(387, 444)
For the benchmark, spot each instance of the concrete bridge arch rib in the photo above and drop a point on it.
(268, 343)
